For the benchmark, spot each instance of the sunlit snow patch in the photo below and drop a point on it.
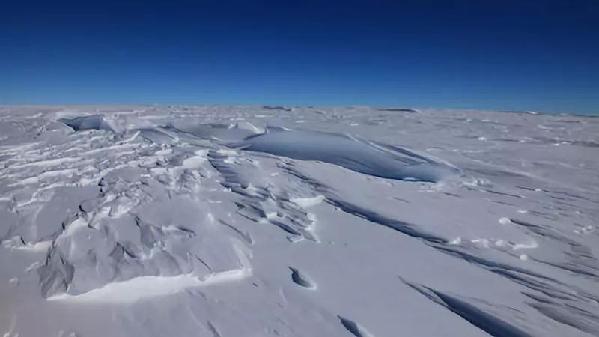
(308, 201)
(144, 287)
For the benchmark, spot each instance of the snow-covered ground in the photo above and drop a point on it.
(274, 221)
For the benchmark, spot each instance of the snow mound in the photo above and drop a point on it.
(351, 153)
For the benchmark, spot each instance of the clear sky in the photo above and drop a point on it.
(508, 55)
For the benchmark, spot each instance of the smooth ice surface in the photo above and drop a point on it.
(286, 221)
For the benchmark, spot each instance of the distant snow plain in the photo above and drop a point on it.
(279, 221)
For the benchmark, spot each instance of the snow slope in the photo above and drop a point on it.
(280, 221)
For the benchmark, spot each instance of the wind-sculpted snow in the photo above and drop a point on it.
(290, 221)
(350, 153)
(492, 325)
(221, 132)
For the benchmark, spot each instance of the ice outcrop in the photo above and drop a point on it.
(92, 122)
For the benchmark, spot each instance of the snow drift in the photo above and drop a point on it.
(275, 221)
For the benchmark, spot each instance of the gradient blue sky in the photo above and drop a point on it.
(509, 55)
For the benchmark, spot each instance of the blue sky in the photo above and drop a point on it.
(508, 55)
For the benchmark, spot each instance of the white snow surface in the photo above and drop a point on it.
(283, 221)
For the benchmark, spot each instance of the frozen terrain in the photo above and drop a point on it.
(278, 221)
